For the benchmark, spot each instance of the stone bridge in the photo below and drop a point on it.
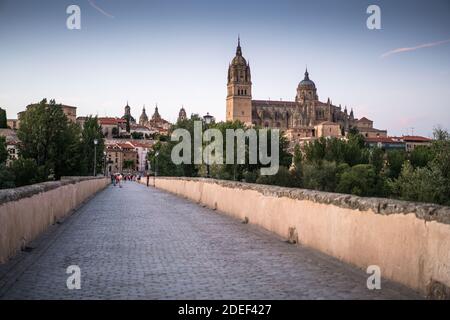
(138, 242)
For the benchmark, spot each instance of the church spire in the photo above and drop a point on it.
(306, 74)
(238, 49)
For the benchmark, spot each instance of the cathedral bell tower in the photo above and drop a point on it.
(239, 89)
(306, 90)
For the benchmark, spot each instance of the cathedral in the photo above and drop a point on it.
(305, 117)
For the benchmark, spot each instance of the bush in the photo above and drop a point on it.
(323, 176)
(360, 180)
(421, 184)
(283, 178)
(6, 177)
(26, 172)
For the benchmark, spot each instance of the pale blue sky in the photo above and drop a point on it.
(177, 52)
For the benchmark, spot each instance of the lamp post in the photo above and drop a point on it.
(95, 156)
(207, 121)
(148, 172)
(104, 164)
(156, 166)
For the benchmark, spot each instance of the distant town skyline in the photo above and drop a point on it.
(176, 53)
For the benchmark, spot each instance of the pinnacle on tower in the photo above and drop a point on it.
(238, 49)
(306, 74)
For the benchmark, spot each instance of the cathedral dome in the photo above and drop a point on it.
(307, 83)
(238, 61)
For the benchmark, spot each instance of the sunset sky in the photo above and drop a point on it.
(177, 53)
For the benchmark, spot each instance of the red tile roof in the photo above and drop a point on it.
(416, 139)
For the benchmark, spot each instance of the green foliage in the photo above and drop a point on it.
(115, 132)
(424, 184)
(323, 176)
(395, 160)
(421, 156)
(27, 172)
(128, 164)
(3, 119)
(49, 138)
(91, 131)
(441, 134)
(337, 150)
(3, 150)
(163, 163)
(359, 180)
(376, 159)
(6, 177)
(283, 178)
(298, 156)
(137, 135)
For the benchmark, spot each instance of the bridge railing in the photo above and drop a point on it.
(27, 211)
(409, 242)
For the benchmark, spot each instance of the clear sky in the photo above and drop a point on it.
(177, 53)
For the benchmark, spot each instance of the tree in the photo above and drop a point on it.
(6, 177)
(3, 120)
(440, 134)
(26, 172)
(359, 180)
(163, 162)
(376, 159)
(92, 131)
(128, 164)
(3, 150)
(137, 135)
(323, 176)
(115, 132)
(424, 184)
(421, 156)
(298, 156)
(395, 160)
(49, 138)
(283, 178)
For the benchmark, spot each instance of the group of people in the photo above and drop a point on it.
(117, 178)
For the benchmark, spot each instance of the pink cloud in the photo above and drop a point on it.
(425, 45)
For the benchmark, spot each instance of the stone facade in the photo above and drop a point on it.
(301, 115)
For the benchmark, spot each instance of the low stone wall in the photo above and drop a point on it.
(410, 242)
(27, 211)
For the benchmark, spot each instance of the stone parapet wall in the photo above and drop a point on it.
(27, 211)
(410, 242)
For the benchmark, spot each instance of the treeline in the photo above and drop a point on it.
(51, 146)
(334, 165)
(247, 172)
(351, 167)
